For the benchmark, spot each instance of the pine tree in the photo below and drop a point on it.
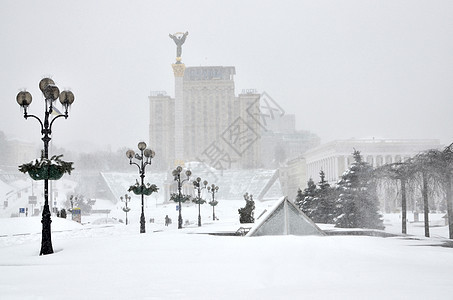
(324, 203)
(305, 199)
(357, 201)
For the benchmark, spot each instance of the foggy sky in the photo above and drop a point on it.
(347, 69)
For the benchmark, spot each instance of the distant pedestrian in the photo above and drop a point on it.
(167, 220)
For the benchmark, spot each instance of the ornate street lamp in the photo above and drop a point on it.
(126, 200)
(198, 200)
(177, 177)
(213, 189)
(24, 99)
(144, 159)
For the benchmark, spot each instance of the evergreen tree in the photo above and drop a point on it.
(357, 201)
(299, 198)
(324, 202)
(305, 199)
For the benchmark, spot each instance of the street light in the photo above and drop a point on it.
(213, 189)
(144, 158)
(197, 185)
(177, 177)
(126, 200)
(24, 99)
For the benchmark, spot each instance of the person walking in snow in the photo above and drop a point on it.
(166, 220)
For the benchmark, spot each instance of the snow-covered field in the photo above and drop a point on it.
(107, 260)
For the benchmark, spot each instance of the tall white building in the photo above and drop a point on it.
(205, 121)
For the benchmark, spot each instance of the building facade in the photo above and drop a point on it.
(18, 152)
(293, 176)
(206, 121)
(162, 127)
(335, 157)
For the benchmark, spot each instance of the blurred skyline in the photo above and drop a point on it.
(346, 69)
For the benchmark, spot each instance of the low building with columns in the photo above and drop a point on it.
(336, 156)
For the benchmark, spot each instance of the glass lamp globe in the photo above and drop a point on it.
(142, 146)
(66, 98)
(24, 98)
(130, 154)
(148, 153)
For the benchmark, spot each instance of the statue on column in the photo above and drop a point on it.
(179, 38)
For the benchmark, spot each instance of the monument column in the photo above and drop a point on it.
(178, 70)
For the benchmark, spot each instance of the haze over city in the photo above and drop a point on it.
(166, 181)
(352, 69)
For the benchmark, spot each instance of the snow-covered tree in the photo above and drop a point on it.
(435, 168)
(324, 202)
(357, 203)
(402, 172)
(305, 199)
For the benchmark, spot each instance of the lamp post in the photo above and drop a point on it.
(126, 200)
(177, 177)
(24, 99)
(197, 185)
(213, 189)
(144, 159)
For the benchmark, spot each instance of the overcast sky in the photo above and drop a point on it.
(347, 69)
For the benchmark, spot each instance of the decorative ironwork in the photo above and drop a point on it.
(51, 94)
(144, 157)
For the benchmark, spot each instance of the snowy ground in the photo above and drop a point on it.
(107, 260)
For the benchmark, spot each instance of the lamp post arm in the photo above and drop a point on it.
(53, 120)
(138, 166)
(26, 116)
(146, 163)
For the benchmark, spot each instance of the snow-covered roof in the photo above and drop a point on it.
(263, 184)
(284, 218)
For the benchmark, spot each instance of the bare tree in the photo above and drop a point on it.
(448, 158)
(435, 167)
(402, 171)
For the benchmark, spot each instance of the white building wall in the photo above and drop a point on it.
(335, 157)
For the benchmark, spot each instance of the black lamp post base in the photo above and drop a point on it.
(180, 216)
(142, 223)
(46, 239)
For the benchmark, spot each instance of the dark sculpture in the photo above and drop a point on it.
(179, 40)
(246, 213)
